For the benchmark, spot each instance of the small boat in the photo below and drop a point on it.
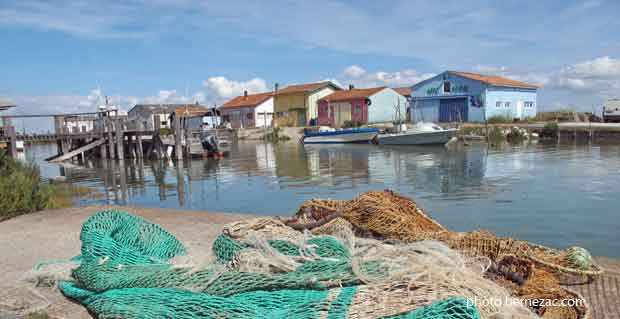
(210, 145)
(422, 133)
(356, 135)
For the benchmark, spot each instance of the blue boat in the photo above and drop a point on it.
(356, 135)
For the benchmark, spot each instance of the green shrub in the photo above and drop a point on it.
(557, 115)
(551, 130)
(499, 119)
(21, 190)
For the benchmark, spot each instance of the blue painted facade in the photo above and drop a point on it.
(468, 100)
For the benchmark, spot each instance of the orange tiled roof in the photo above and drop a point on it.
(190, 111)
(247, 101)
(305, 88)
(404, 91)
(352, 94)
(494, 80)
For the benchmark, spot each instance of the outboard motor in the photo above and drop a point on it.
(209, 141)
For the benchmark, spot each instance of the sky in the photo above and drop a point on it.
(63, 56)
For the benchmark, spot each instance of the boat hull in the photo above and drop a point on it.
(339, 137)
(418, 138)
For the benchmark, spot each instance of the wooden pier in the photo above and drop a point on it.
(108, 137)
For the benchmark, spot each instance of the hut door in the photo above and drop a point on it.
(453, 110)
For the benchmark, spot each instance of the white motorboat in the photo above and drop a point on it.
(357, 135)
(422, 133)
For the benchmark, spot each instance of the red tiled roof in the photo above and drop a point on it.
(352, 94)
(494, 80)
(190, 111)
(251, 100)
(404, 91)
(306, 88)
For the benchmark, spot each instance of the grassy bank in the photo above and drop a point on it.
(22, 190)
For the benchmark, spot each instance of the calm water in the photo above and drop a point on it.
(556, 195)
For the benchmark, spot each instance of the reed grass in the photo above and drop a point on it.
(22, 190)
(499, 119)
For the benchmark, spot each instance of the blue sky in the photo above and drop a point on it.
(56, 54)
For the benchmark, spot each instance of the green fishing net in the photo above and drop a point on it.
(125, 271)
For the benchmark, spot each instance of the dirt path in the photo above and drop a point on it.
(54, 235)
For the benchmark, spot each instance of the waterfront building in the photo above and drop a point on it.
(78, 123)
(362, 106)
(249, 110)
(454, 96)
(147, 114)
(404, 91)
(296, 105)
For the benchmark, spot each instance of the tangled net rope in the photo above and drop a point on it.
(266, 269)
(378, 256)
(389, 216)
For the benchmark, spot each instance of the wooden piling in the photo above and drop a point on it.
(178, 132)
(156, 140)
(139, 152)
(110, 127)
(120, 139)
(188, 137)
(12, 141)
(102, 134)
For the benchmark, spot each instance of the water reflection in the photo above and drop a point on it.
(537, 192)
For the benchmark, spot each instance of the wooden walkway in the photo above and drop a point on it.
(603, 295)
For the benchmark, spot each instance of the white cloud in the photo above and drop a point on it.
(489, 69)
(600, 76)
(354, 71)
(223, 88)
(358, 76)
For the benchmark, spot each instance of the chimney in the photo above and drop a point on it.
(275, 89)
(351, 87)
(245, 93)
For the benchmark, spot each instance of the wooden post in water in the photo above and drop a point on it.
(110, 126)
(102, 147)
(101, 134)
(120, 139)
(10, 131)
(139, 152)
(178, 132)
(156, 140)
(188, 137)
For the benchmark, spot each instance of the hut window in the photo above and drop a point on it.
(250, 116)
(446, 86)
(498, 104)
(507, 104)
